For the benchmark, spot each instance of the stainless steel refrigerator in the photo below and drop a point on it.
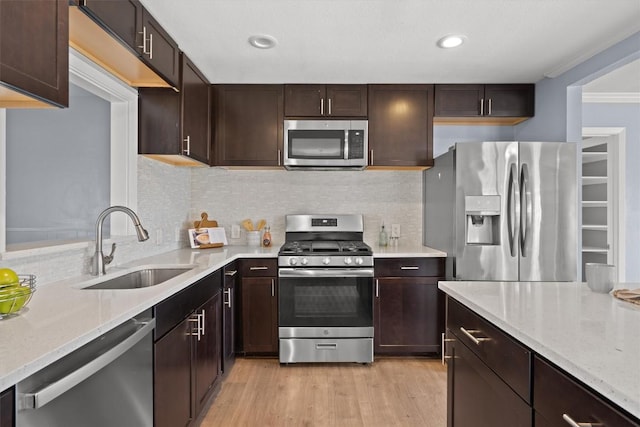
(504, 211)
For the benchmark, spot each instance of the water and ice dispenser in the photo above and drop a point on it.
(482, 216)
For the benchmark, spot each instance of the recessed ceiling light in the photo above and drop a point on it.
(262, 41)
(452, 40)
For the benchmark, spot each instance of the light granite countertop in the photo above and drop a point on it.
(62, 317)
(594, 337)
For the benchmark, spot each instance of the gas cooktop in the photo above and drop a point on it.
(325, 247)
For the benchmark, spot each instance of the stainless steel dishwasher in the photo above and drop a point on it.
(108, 382)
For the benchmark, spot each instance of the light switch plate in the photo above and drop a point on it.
(235, 231)
(395, 230)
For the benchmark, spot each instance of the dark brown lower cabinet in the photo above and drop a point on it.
(259, 306)
(7, 408)
(477, 396)
(229, 304)
(187, 356)
(559, 399)
(407, 315)
(408, 308)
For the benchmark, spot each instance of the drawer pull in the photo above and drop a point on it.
(469, 333)
(572, 423)
(260, 267)
(409, 267)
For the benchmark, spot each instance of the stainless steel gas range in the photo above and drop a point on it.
(326, 290)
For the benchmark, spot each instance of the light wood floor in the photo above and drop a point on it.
(390, 392)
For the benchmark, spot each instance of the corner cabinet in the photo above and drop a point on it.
(229, 304)
(401, 126)
(34, 53)
(187, 351)
(317, 101)
(249, 123)
(259, 306)
(409, 308)
(175, 127)
(493, 103)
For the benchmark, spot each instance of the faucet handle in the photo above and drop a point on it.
(109, 258)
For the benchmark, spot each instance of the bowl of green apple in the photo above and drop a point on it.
(15, 291)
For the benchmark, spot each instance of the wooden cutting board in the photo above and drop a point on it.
(205, 222)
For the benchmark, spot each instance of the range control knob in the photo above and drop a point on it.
(359, 261)
(304, 261)
(348, 260)
(293, 261)
(326, 260)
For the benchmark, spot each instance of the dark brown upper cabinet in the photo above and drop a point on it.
(174, 127)
(302, 100)
(400, 126)
(34, 53)
(248, 125)
(123, 37)
(494, 103)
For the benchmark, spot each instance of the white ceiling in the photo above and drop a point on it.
(393, 41)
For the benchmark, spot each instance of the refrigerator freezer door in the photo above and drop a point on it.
(548, 218)
(482, 242)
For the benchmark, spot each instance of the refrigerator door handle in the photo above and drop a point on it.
(526, 209)
(513, 208)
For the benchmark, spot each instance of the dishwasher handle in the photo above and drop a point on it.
(51, 391)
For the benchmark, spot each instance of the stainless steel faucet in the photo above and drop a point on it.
(100, 261)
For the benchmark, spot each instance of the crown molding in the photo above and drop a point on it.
(611, 97)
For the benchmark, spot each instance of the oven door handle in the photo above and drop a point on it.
(325, 272)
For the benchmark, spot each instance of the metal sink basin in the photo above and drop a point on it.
(140, 278)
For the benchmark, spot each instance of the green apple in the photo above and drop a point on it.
(8, 277)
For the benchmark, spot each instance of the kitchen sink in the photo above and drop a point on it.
(140, 278)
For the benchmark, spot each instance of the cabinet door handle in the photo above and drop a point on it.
(409, 267)
(230, 273)
(329, 106)
(377, 288)
(489, 107)
(444, 348)
(260, 267)
(273, 287)
(227, 292)
(322, 106)
(371, 154)
(469, 333)
(195, 319)
(202, 317)
(150, 46)
(144, 41)
(187, 140)
(279, 154)
(572, 423)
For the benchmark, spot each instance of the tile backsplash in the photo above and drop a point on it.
(229, 196)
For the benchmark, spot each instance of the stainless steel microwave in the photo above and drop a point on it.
(325, 144)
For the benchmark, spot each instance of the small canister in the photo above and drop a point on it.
(253, 238)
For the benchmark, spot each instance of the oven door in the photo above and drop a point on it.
(325, 302)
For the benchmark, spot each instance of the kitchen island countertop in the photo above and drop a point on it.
(594, 337)
(62, 317)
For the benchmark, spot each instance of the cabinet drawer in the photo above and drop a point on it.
(259, 267)
(409, 267)
(504, 355)
(555, 393)
(174, 309)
